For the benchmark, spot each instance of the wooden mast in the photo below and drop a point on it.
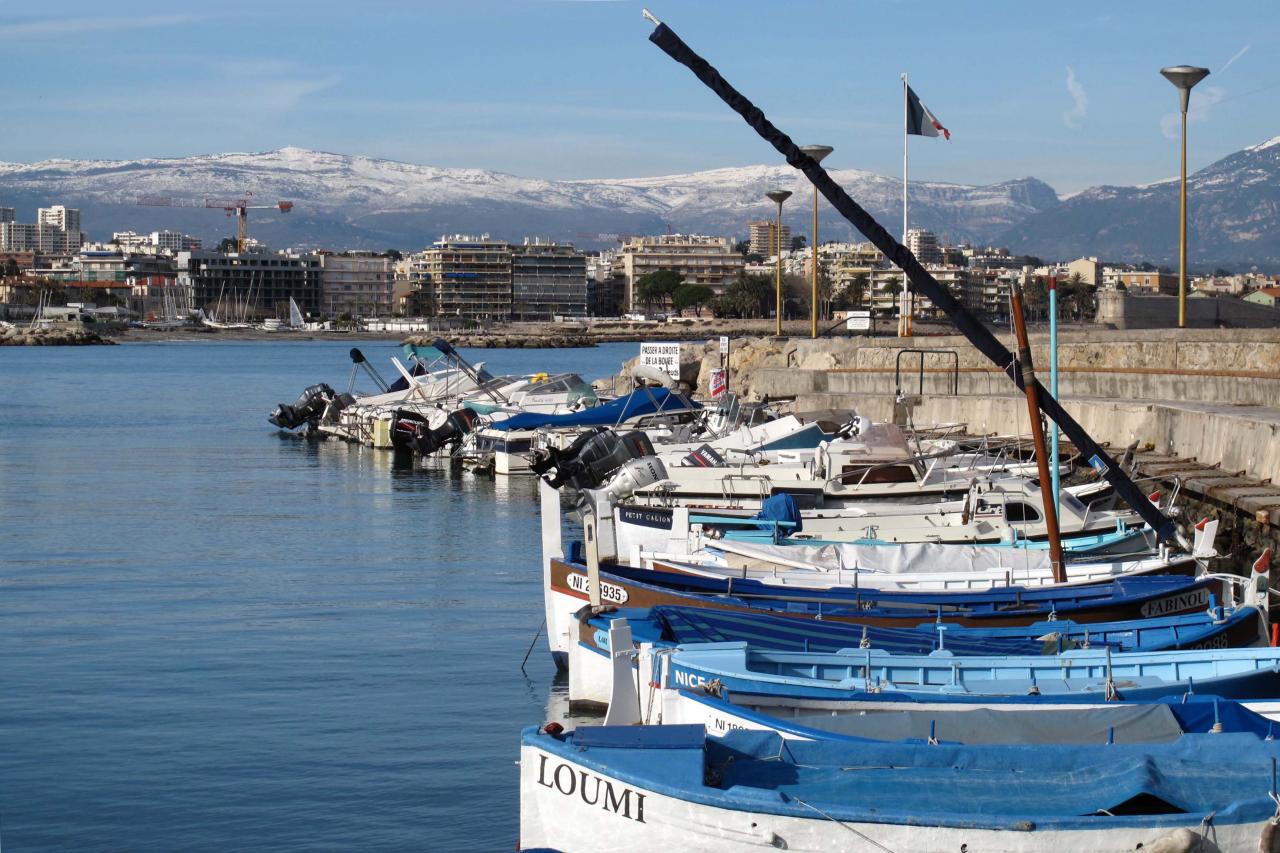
(1028, 373)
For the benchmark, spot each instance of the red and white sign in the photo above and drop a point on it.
(719, 383)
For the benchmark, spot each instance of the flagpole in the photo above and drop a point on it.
(903, 327)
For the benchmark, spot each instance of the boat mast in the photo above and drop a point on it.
(1037, 436)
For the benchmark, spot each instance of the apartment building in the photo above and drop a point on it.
(767, 239)
(1138, 281)
(469, 277)
(361, 284)
(886, 289)
(698, 259)
(163, 241)
(263, 280)
(56, 231)
(924, 245)
(547, 280)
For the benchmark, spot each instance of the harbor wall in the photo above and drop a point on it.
(1235, 367)
(1134, 311)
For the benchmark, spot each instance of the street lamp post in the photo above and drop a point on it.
(1185, 77)
(778, 196)
(818, 153)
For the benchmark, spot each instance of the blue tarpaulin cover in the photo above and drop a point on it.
(782, 507)
(642, 401)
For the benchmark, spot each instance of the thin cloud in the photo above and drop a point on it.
(57, 27)
(1239, 53)
(1203, 99)
(1079, 101)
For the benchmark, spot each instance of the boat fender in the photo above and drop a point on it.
(1181, 840)
(647, 373)
(554, 729)
(1270, 840)
(589, 611)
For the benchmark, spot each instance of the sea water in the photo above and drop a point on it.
(214, 637)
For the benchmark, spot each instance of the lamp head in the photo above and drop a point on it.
(817, 152)
(1184, 77)
(778, 196)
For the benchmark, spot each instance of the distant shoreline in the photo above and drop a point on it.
(514, 336)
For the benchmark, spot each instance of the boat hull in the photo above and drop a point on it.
(570, 805)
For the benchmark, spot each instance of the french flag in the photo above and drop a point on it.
(920, 122)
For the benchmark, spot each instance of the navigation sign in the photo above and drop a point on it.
(663, 356)
(858, 321)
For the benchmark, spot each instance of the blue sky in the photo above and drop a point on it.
(1067, 92)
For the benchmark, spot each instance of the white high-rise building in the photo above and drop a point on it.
(924, 245)
(62, 218)
(59, 229)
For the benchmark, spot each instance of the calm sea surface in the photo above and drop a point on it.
(215, 638)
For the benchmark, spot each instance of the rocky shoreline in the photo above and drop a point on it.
(55, 336)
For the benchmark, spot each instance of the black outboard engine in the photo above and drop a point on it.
(546, 458)
(308, 408)
(449, 434)
(404, 428)
(599, 456)
(335, 407)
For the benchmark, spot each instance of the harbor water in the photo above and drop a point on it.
(214, 637)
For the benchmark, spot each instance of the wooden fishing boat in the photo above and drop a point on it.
(569, 588)
(591, 653)
(646, 788)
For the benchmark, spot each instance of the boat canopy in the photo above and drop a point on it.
(637, 404)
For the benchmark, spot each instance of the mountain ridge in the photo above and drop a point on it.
(358, 201)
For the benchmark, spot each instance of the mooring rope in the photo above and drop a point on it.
(839, 822)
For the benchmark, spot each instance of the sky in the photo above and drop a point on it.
(1067, 92)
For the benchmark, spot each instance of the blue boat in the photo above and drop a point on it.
(672, 626)
(1119, 598)
(671, 787)
(592, 655)
(641, 403)
(1077, 676)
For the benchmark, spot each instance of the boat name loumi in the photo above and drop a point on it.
(568, 780)
(1181, 602)
(608, 592)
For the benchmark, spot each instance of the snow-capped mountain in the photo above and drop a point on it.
(346, 201)
(1233, 217)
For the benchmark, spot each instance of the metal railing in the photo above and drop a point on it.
(955, 369)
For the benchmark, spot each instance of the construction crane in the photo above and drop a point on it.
(239, 208)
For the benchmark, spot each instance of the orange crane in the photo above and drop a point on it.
(239, 208)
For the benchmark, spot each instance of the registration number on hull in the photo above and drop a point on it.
(610, 593)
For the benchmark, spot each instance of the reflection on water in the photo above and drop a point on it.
(213, 637)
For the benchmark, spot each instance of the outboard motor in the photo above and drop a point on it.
(404, 428)
(335, 407)
(634, 474)
(546, 458)
(307, 409)
(449, 434)
(599, 456)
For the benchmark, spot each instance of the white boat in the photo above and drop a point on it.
(869, 463)
(639, 789)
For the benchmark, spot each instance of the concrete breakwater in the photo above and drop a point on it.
(67, 335)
